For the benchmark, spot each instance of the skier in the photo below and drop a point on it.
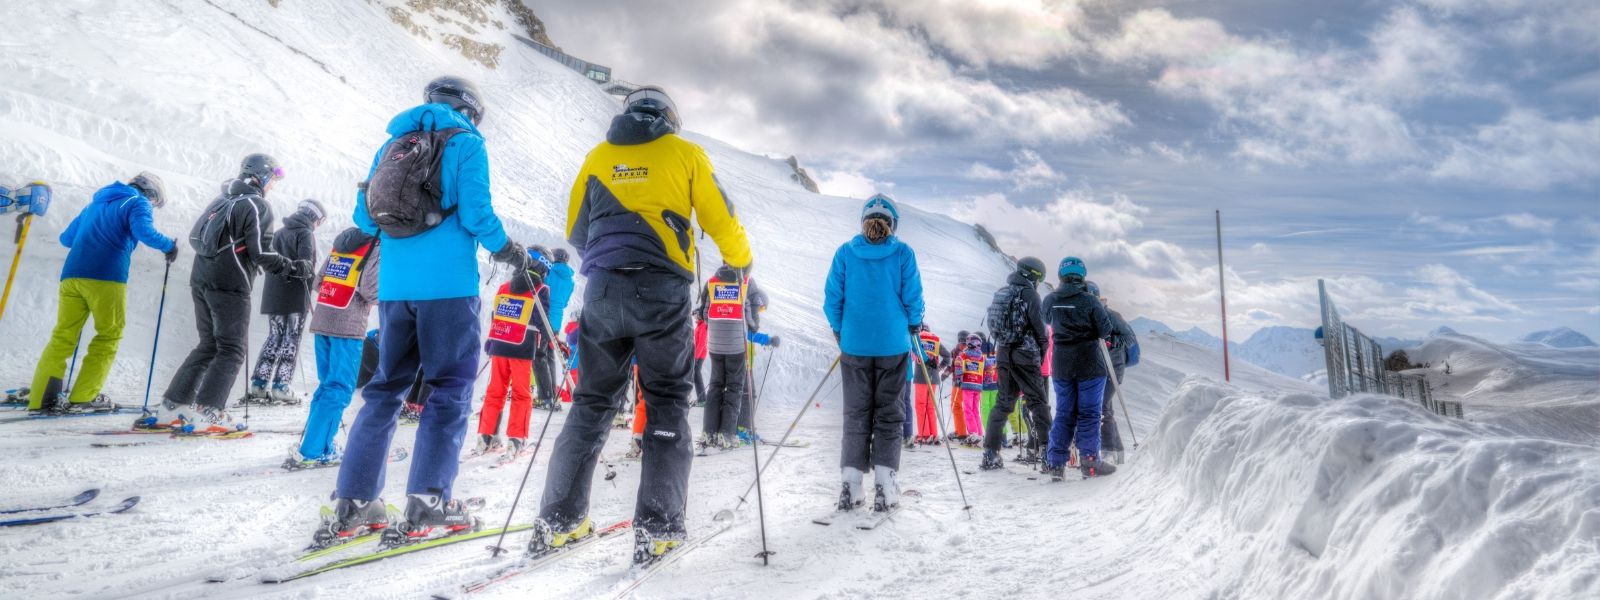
(1124, 353)
(933, 357)
(1079, 324)
(1021, 340)
(560, 281)
(428, 305)
(702, 333)
(952, 369)
(514, 336)
(94, 283)
(991, 383)
(873, 301)
(345, 297)
(231, 240)
(969, 367)
(285, 300)
(561, 284)
(729, 304)
(630, 220)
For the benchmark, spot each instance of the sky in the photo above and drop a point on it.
(1437, 162)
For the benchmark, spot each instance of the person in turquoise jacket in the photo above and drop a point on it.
(428, 308)
(561, 284)
(94, 283)
(873, 301)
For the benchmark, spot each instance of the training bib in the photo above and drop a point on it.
(511, 317)
(341, 276)
(972, 370)
(930, 346)
(726, 302)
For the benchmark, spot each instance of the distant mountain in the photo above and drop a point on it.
(1560, 337)
(1442, 331)
(1192, 335)
(1291, 351)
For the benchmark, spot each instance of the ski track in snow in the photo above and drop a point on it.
(1258, 489)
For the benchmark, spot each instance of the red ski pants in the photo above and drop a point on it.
(513, 375)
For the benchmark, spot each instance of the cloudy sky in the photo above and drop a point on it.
(1437, 161)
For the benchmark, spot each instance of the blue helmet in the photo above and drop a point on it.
(1094, 290)
(882, 207)
(1071, 265)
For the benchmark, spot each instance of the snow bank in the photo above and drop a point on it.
(1372, 497)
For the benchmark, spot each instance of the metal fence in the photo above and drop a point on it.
(1356, 364)
(599, 73)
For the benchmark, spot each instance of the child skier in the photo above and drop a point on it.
(285, 300)
(873, 301)
(94, 283)
(345, 297)
(969, 367)
(514, 336)
(991, 383)
(729, 304)
(933, 356)
(958, 417)
(1079, 324)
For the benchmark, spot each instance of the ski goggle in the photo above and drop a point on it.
(277, 173)
(652, 99)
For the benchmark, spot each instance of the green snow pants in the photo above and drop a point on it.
(80, 299)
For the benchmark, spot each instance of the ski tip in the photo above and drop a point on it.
(86, 496)
(126, 504)
(722, 515)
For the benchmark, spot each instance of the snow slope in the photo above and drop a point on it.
(1560, 337)
(1530, 388)
(1260, 489)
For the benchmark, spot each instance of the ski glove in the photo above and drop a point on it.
(300, 269)
(773, 341)
(172, 254)
(916, 329)
(512, 254)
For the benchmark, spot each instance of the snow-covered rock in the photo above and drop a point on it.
(1560, 337)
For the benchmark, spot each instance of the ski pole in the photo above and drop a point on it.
(755, 454)
(532, 456)
(790, 430)
(161, 309)
(938, 390)
(24, 223)
(72, 366)
(1111, 374)
(765, 374)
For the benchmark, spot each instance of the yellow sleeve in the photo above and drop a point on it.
(580, 186)
(715, 213)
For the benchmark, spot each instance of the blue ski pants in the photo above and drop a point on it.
(1078, 404)
(441, 337)
(338, 362)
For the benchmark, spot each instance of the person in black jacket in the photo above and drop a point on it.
(1018, 365)
(1079, 324)
(286, 300)
(232, 243)
(1124, 353)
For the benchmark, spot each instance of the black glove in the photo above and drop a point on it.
(273, 263)
(172, 254)
(773, 341)
(513, 254)
(916, 329)
(520, 283)
(300, 269)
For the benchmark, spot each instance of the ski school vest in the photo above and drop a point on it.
(512, 314)
(726, 330)
(341, 276)
(725, 301)
(972, 370)
(930, 346)
(991, 373)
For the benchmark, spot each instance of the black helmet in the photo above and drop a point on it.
(653, 100)
(560, 255)
(262, 167)
(1031, 268)
(457, 92)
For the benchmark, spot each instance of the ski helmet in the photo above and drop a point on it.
(1031, 268)
(457, 92)
(1094, 290)
(263, 168)
(150, 185)
(1071, 265)
(312, 207)
(560, 255)
(653, 100)
(880, 206)
(539, 261)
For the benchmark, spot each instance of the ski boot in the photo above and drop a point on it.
(349, 519)
(1092, 466)
(431, 517)
(546, 540)
(1056, 473)
(212, 421)
(100, 404)
(885, 490)
(705, 442)
(410, 414)
(850, 496)
(650, 547)
(283, 396)
(974, 440)
(911, 443)
(514, 448)
(256, 394)
(1028, 456)
(17, 396)
(991, 461)
(488, 444)
(165, 415)
(635, 448)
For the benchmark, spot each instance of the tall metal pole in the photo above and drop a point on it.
(1222, 291)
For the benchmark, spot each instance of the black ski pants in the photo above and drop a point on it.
(1027, 381)
(544, 374)
(222, 319)
(725, 399)
(873, 411)
(629, 314)
(1110, 438)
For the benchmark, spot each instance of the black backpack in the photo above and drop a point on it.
(1006, 318)
(404, 196)
(213, 234)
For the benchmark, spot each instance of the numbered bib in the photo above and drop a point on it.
(341, 276)
(726, 302)
(511, 317)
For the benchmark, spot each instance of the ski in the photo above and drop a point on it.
(642, 573)
(221, 435)
(310, 553)
(399, 551)
(79, 500)
(876, 518)
(292, 465)
(123, 506)
(529, 564)
(787, 444)
(47, 416)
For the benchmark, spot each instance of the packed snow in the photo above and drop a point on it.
(1257, 488)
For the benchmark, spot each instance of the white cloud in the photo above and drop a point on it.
(850, 184)
(1020, 33)
(1526, 150)
(1438, 223)
(1028, 171)
(1527, 221)
(1582, 284)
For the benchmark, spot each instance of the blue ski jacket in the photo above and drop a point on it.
(873, 297)
(560, 282)
(443, 262)
(102, 237)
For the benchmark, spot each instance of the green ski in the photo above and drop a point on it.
(393, 552)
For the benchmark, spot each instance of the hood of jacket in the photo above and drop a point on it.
(350, 239)
(299, 220)
(240, 187)
(631, 129)
(1016, 278)
(429, 117)
(865, 250)
(116, 192)
(1071, 288)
